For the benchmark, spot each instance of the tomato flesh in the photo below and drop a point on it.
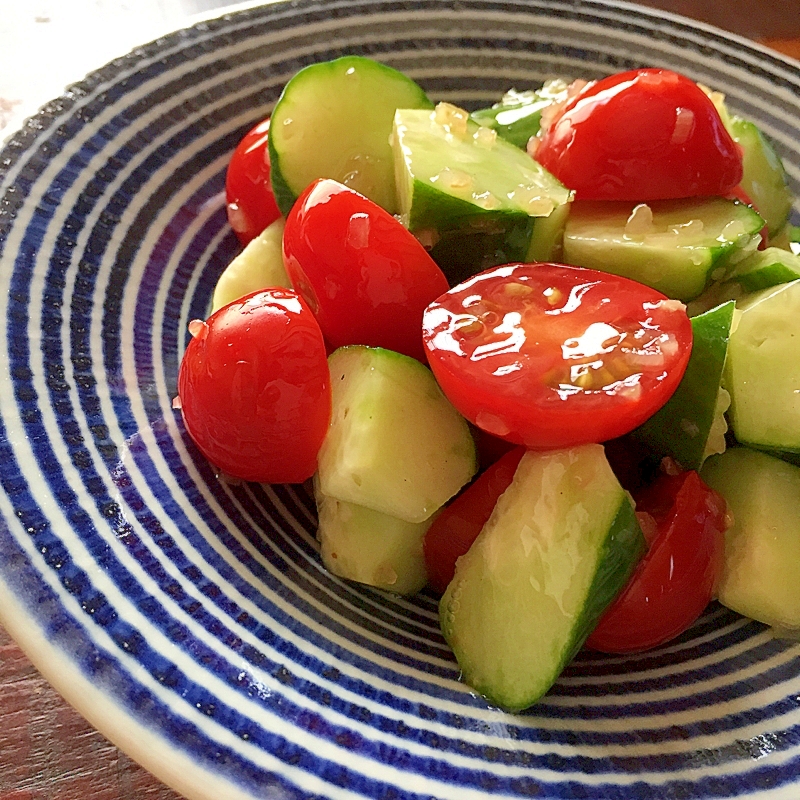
(366, 278)
(250, 201)
(254, 388)
(457, 526)
(551, 356)
(676, 579)
(647, 134)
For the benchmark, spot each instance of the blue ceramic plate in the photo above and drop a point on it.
(191, 621)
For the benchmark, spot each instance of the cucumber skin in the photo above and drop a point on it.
(623, 548)
(478, 241)
(285, 196)
(695, 398)
(766, 268)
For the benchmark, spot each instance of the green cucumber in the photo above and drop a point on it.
(476, 199)
(333, 120)
(691, 426)
(764, 178)
(362, 545)
(766, 268)
(674, 246)
(761, 373)
(395, 443)
(761, 568)
(258, 266)
(561, 543)
(518, 115)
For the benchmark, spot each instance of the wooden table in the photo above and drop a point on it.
(48, 751)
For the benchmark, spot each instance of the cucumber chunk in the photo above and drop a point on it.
(761, 569)
(395, 443)
(787, 238)
(362, 545)
(258, 266)
(561, 543)
(761, 373)
(518, 115)
(477, 199)
(764, 178)
(766, 268)
(691, 426)
(674, 246)
(333, 120)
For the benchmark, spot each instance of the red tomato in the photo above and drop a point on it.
(364, 275)
(549, 356)
(647, 134)
(248, 190)
(254, 388)
(457, 526)
(677, 578)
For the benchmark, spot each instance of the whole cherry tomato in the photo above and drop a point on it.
(550, 356)
(254, 388)
(647, 134)
(248, 190)
(677, 577)
(457, 526)
(363, 274)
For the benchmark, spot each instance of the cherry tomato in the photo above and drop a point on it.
(457, 526)
(248, 190)
(254, 388)
(647, 134)
(550, 356)
(677, 577)
(363, 274)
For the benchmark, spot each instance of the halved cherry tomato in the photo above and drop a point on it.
(457, 526)
(549, 356)
(254, 388)
(677, 577)
(248, 190)
(647, 134)
(366, 278)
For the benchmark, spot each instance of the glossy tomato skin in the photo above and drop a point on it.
(458, 525)
(553, 356)
(647, 134)
(366, 278)
(248, 191)
(254, 388)
(677, 578)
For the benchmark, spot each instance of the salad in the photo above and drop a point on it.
(506, 346)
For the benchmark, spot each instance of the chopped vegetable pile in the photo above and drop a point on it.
(507, 347)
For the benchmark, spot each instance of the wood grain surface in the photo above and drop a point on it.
(48, 751)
